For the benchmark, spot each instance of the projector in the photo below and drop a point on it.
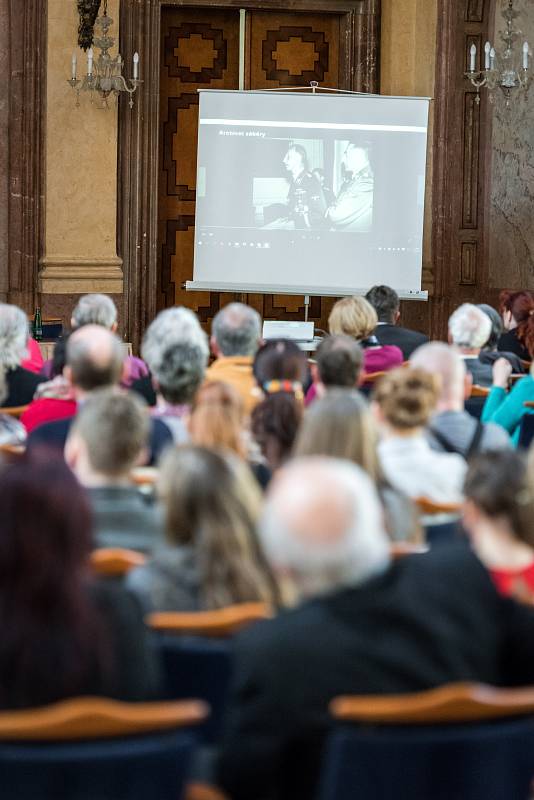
(296, 331)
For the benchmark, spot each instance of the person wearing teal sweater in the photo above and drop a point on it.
(506, 409)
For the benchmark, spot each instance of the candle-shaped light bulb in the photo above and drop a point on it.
(492, 58)
(73, 72)
(90, 61)
(525, 55)
(473, 58)
(135, 66)
(487, 50)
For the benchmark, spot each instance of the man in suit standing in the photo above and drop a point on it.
(386, 303)
(363, 626)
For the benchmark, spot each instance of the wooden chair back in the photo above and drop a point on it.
(11, 452)
(221, 623)
(144, 476)
(400, 549)
(479, 391)
(429, 507)
(529, 404)
(115, 562)
(455, 702)
(14, 411)
(96, 718)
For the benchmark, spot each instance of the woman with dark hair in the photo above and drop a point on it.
(212, 557)
(517, 310)
(63, 635)
(499, 518)
(281, 371)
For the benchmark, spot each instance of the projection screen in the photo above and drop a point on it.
(309, 193)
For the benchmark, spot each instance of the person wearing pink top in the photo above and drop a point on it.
(356, 317)
(34, 361)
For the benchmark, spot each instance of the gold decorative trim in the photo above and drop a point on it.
(63, 275)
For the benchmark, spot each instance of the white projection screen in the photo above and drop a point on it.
(309, 193)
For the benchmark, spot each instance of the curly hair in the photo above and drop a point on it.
(407, 397)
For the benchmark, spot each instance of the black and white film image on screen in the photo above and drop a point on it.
(309, 204)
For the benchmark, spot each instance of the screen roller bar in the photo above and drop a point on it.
(321, 291)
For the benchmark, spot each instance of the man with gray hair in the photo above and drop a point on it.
(469, 330)
(235, 337)
(364, 628)
(95, 309)
(14, 335)
(108, 438)
(452, 429)
(99, 309)
(94, 361)
(176, 349)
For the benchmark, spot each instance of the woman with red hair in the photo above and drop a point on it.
(517, 310)
(63, 634)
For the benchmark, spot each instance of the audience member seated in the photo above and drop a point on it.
(427, 621)
(53, 399)
(212, 558)
(281, 371)
(108, 438)
(34, 360)
(340, 425)
(499, 518)
(12, 432)
(176, 349)
(354, 316)
(403, 402)
(469, 330)
(63, 635)
(489, 353)
(517, 309)
(451, 428)
(21, 383)
(99, 309)
(338, 363)
(218, 421)
(507, 408)
(94, 361)
(385, 302)
(235, 338)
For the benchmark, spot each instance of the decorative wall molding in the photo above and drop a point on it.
(64, 275)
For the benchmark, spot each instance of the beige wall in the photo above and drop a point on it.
(408, 66)
(81, 170)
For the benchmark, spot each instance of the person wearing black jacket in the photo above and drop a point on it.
(364, 626)
(386, 303)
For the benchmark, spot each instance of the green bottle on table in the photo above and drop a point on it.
(38, 326)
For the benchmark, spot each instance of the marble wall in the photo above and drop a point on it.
(511, 213)
(80, 252)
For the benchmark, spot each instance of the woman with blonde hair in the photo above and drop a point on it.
(356, 317)
(340, 425)
(212, 557)
(218, 418)
(403, 402)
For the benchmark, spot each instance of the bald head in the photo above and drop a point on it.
(94, 358)
(441, 359)
(322, 522)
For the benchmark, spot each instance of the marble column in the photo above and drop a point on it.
(511, 214)
(81, 174)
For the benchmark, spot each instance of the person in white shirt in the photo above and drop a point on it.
(403, 402)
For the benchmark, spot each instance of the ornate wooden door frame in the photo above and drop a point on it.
(137, 208)
(462, 154)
